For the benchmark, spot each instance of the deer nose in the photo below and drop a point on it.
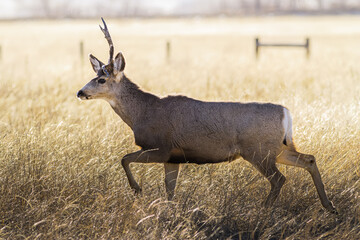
(80, 94)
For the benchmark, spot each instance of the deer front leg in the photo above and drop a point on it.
(171, 174)
(141, 156)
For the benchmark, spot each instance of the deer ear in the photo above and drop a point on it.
(95, 63)
(119, 63)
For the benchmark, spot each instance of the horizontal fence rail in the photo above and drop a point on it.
(258, 44)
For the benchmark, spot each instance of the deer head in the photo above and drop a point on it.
(107, 75)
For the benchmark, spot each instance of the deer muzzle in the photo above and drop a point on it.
(82, 95)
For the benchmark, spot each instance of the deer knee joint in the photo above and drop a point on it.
(311, 159)
(124, 162)
(308, 160)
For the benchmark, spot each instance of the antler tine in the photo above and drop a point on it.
(108, 38)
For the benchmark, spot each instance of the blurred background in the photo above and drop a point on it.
(12, 9)
(60, 171)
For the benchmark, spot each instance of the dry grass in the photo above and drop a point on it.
(60, 172)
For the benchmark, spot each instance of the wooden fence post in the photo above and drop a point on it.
(81, 52)
(81, 48)
(307, 45)
(168, 50)
(257, 47)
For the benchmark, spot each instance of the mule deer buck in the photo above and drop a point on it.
(175, 130)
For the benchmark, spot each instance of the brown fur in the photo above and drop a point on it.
(177, 129)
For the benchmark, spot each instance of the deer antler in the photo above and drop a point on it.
(108, 38)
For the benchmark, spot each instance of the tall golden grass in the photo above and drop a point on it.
(60, 171)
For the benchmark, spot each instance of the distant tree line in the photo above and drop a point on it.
(256, 7)
(142, 8)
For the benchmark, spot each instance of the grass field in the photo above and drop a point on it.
(60, 171)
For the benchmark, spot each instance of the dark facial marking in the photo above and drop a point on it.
(100, 73)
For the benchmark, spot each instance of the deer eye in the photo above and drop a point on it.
(101, 81)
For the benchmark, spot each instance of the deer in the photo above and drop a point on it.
(176, 130)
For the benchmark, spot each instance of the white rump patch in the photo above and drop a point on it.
(287, 124)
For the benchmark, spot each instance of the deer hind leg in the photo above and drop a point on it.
(268, 168)
(293, 158)
(171, 174)
(141, 156)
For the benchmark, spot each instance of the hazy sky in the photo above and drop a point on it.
(25, 8)
(95, 8)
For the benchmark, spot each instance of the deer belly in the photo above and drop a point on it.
(197, 157)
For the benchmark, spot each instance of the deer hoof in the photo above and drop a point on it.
(138, 191)
(332, 209)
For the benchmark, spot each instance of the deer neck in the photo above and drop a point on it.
(130, 102)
